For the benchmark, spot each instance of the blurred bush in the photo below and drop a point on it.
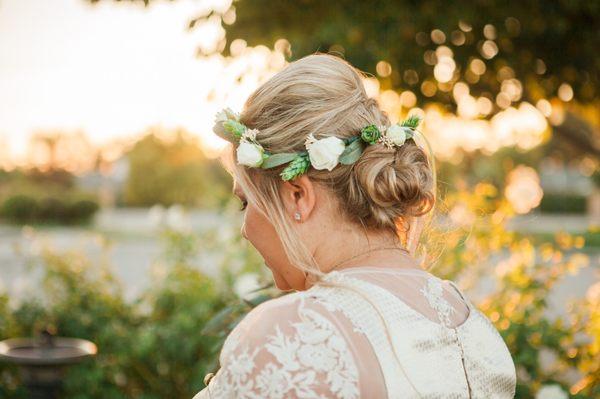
(163, 343)
(596, 178)
(155, 346)
(23, 208)
(36, 197)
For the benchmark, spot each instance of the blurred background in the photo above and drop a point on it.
(117, 223)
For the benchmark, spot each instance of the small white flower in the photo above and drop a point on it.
(553, 391)
(324, 153)
(249, 154)
(396, 134)
(225, 114)
(250, 134)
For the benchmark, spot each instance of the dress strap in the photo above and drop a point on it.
(466, 300)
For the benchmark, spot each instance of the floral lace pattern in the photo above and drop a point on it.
(434, 294)
(320, 343)
(313, 362)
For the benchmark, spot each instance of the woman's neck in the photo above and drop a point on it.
(371, 248)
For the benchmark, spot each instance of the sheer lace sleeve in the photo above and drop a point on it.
(285, 348)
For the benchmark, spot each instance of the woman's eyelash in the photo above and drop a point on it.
(244, 205)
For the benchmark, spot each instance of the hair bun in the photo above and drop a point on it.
(388, 184)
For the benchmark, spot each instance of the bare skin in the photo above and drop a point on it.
(329, 237)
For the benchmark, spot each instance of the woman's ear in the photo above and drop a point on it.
(299, 195)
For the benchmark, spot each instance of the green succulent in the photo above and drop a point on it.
(370, 134)
(298, 166)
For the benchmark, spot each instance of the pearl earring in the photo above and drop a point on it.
(297, 216)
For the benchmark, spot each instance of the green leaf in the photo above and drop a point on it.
(217, 321)
(234, 127)
(412, 122)
(278, 159)
(352, 152)
(220, 131)
(349, 140)
(253, 302)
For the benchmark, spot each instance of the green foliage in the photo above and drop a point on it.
(33, 196)
(158, 345)
(156, 354)
(234, 127)
(273, 160)
(563, 203)
(543, 43)
(368, 32)
(163, 343)
(22, 208)
(596, 178)
(412, 122)
(173, 171)
(297, 167)
(352, 152)
(19, 208)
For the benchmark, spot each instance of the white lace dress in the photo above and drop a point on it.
(372, 332)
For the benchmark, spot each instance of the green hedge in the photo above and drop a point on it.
(563, 203)
(23, 208)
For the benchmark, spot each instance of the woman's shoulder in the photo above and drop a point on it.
(280, 309)
(287, 339)
(267, 319)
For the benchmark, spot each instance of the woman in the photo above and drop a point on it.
(334, 197)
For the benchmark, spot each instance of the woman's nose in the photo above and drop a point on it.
(243, 231)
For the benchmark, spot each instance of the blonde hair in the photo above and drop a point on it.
(324, 95)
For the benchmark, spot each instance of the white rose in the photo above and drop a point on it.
(396, 134)
(553, 391)
(324, 153)
(249, 154)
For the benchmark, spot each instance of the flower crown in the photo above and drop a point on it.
(323, 153)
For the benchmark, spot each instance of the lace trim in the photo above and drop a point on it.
(433, 291)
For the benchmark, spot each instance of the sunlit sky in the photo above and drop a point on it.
(110, 69)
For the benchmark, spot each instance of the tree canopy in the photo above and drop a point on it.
(542, 43)
(524, 51)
